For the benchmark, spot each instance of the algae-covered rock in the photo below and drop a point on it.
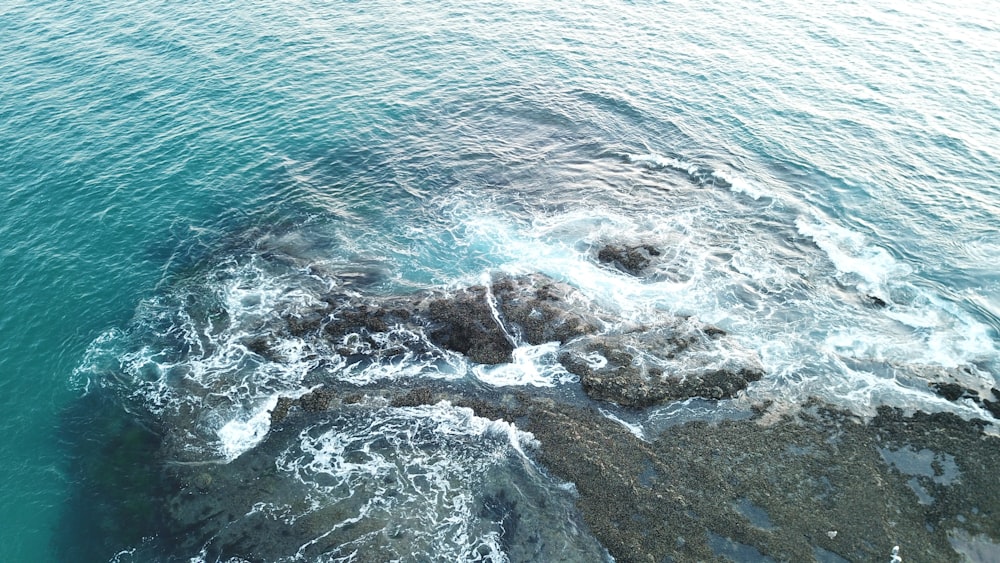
(541, 310)
(817, 483)
(486, 322)
(465, 322)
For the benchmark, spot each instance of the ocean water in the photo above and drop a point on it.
(822, 179)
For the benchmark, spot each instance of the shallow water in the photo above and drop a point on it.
(822, 182)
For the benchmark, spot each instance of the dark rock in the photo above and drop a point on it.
(414, 398)
(631, 259)
(876, 301)
(465, 323)
(366, 330)
(647, 367)
(280, 410)
(254, 509)
(203, 481)
(993, 406)
(806, 473)
(543, 310)
(355, 318)
(950, 391)
(817, 471)
(307, 322)
(316, 401)
(508, 408)
(954, 392)
(484, 323)
(261, 346)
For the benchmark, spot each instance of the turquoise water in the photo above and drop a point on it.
(798, 159)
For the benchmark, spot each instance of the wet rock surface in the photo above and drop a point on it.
(631, 259)
(674, 359)
(814, 482)
(543, 310)
(787, 486)
(254, 508)
(799, 484)
(637, 366)
(485, 323)
(782, 486)
(652, 365)
(989, 400)
(466, 323)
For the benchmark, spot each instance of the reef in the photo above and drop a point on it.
(617, 361)
(651, 365)
(818, 484)
(779, 484)
(813, 484)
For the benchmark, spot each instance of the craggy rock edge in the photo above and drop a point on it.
(637, 366)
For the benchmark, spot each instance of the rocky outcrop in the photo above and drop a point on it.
(813, 484)
(631, 259)
(486, 323)
(955, 392)
(816, 485)
(674, 358)
(465, 322)
(540, 309)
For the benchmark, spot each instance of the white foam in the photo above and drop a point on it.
(741, 185)
(766, 295)
(535, 366)
(746, 273)
(851, 253)
(654, 160)
(930, 331)
(245, 432)
(416, 469)
(186, 360)
(406, 366)
(494, 311)
(99, 360)
(737, 183)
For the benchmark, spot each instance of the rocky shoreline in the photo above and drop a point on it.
(782, 484)
(814, 484)
(617, 361)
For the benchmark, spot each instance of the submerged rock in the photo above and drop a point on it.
(651, 366)
(408, 480)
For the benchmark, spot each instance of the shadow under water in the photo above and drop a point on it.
(115, 471)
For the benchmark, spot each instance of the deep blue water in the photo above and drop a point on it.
(800, 160)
